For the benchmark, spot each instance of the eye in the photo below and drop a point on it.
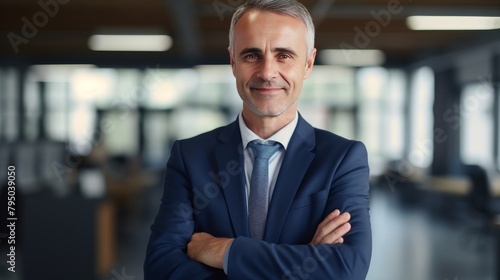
(251, 57)
(284, 56)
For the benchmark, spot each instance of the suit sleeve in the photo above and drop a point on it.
(172, 229)
(256, 259)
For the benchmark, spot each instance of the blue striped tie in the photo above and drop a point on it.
(259, 187)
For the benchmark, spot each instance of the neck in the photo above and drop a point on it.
(266, 126)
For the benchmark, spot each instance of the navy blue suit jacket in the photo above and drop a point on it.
(204, 191)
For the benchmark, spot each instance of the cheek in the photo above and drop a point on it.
(293, 75)
(298, 68)
(243, 75)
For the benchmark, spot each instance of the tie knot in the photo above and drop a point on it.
(264, 150)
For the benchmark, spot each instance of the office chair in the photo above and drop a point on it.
(480, 195)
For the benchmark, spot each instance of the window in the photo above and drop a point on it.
(121, 133)
(476, 129)
(56, 119)
(10, 127)
(341, 121)
(328, 99)
(190, 121)
(393, 116)
(212, 88)
(371, 83)
(498, 129)
(157, 138)
(94, 86)
(381, 114)
(32, 107)
(421, 118)
(91, 88)
(167, 88)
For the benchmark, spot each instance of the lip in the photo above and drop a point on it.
(267, 90)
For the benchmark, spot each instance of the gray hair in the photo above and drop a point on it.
(284, 7)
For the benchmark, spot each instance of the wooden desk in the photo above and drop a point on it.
(105, 239)
(495, 190)
(459, 185)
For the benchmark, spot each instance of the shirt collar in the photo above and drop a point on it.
(282, 136)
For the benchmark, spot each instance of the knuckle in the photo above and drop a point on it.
(323, 231)
(330, 238)
(322, 224)
(339, 232)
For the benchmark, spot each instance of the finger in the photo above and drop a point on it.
(340, 240)
(323, 227)
(336, 234)
(323, 223)
(328, 219)
(331, 225)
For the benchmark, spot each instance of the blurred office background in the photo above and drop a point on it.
(89, 126)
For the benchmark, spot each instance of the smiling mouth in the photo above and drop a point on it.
(267, 90)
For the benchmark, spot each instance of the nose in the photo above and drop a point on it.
(268, 69)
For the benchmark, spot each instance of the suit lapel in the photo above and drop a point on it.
(229, 157)
(298, 157)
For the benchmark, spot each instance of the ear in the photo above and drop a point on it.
(231, 59)
(310, 63)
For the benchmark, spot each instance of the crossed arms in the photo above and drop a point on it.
(339, 249)
(209, 250)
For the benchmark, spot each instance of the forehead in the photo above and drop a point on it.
(261, 26)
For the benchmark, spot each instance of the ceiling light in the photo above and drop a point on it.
(352, 57)
(452, 23)
(139, 43)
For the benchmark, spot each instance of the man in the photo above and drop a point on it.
(268, 196)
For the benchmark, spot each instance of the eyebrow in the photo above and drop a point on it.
(250, 50)
(257, 50)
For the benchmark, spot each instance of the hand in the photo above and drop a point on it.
(207, 249)
(332, 229)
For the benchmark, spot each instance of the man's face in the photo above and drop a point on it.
(270, 62)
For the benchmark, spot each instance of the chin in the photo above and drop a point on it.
(268, 110)
(267, 113)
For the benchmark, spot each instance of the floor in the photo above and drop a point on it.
(410, 243)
